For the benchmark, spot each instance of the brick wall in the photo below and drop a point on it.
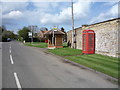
(106, 37)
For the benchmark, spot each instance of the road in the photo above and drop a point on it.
(27, 67)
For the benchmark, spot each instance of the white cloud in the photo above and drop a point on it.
(64, 17)
(12, 6)
(18, 10)
(114, 10)
(45, 4)
(12, 12)
(12, 18)
(36, 0)
(57, 0)
(46, 12)
(111, 3)
(13, 15)
(0, 15)
(110, 14)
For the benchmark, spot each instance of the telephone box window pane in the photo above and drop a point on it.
(84, 42)
(90, 42)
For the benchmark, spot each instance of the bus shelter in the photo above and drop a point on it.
(55, 39)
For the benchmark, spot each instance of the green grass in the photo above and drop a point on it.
(65, 51)
(102, 63)
(65, 44)
(36, 44)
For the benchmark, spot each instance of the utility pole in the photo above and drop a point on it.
(53, 38)
(72, 25)
(31, 30)
(31, 27)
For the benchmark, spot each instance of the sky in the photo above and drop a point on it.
(17, 14)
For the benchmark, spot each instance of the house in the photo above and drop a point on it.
(41, 36)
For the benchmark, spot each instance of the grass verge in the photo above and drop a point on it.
(104, 64)
(65, 51)
(37, 44)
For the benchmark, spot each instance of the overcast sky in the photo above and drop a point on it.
(15, 15)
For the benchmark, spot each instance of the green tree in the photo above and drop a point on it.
(2, 29)
(23, 34)
(65, 35)
(8, 34)
(62, 29)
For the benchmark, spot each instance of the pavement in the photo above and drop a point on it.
(28, 67)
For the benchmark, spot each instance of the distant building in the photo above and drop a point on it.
(41, 35)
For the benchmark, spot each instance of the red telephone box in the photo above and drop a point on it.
(46, 41)
(88, 43)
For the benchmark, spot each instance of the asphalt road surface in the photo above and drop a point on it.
(27, 67)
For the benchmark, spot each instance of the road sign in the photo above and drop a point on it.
(29, 34)
(55, 28)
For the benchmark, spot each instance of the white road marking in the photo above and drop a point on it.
(11, 59)
(10, 46)
(10, 50)
(17, 81)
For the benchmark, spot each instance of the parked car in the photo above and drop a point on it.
(8, 39)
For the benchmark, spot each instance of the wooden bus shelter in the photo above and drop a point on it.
(55, 39)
